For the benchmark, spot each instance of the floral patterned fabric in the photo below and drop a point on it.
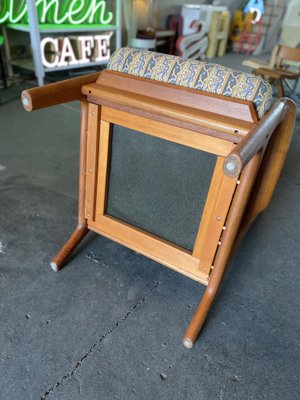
(194, 74)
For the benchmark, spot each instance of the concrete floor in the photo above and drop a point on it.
(109, 325)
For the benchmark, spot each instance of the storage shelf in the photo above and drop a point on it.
(28, 64)
(23, 63)
(52, 28)
(37, 31)
(91, 64)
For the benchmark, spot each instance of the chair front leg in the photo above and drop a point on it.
(81, 230)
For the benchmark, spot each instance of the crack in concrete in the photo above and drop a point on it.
(69, 375)
(91, 256)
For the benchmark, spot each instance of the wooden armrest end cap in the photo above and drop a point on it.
(232, 166)
(26, 100)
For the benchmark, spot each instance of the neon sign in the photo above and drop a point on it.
(73, 12)
(75, 50)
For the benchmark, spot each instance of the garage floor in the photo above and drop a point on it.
(109, 325)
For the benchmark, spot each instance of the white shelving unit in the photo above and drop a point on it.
(36, 31)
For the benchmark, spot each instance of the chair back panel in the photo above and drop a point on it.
(288, 53)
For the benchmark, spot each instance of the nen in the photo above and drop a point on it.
(52, 11)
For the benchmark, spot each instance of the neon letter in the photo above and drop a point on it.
(67, 52)
(4, 11)
(75, 10)
(86, 45)
(103, 49)
(46, 7)
(54, 47)
(21, 12)
(94, 8)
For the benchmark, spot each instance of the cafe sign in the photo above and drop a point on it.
(68, 50)
(75, 50)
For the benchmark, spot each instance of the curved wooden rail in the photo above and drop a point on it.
(56, 93)
(255, 140)
(232, 225)
(271, 165)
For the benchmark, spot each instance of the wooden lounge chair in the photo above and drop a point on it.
(177, 158)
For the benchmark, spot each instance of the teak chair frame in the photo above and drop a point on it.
(250, 155)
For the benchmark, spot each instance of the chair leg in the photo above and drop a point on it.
(280, 88)
(202, 311)
(61, 257)
(81, 230)
(233, 221)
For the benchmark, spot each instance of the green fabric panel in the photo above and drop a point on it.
(157, 185)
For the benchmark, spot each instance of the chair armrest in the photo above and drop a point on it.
(255, 140)
(56, 93)
(286, 74)
(272, 73)
(277, 73)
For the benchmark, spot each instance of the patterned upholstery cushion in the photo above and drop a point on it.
(194, 74)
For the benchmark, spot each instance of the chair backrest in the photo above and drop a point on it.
(273, 59)
(287, 53)
(194, 74)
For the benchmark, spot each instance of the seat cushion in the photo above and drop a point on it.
(194, 74)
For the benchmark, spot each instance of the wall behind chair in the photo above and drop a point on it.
(163, 8)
